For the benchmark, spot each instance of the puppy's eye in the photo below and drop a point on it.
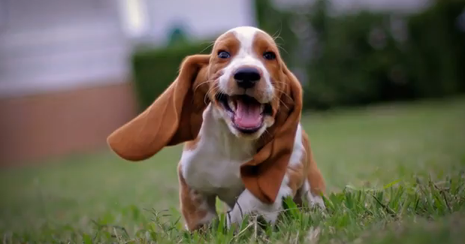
(223, 54)
(269, 55)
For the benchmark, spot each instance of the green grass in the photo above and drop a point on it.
(395, 174)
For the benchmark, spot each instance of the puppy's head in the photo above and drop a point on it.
(249, 80)
(244, 79)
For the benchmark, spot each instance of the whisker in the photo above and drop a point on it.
(282, 48)
(283, 101)
(277, 38)
(205, 98)
(278, 34)
(201, 83)
(215, 85)
(269, 133)
(284, 104)
(285, 94)
(209, 45)
(279, 82)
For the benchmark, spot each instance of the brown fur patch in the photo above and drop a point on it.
(317, 183)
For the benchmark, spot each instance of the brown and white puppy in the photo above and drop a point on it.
(238, 110)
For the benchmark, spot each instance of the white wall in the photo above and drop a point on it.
(50, 45)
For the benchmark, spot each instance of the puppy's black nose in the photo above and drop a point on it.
(247, 77)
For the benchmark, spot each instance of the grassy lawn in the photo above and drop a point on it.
(395, 173)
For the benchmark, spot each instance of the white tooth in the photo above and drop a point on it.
(262, 108)
(231, 105)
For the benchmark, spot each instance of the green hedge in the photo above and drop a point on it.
(155, 69)
(354, 63)
(345, 68)
(436, 51)
(352, 59)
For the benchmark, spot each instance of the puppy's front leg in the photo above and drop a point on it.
(197, 209)
(248, 204)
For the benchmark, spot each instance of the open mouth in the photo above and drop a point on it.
(247, 114)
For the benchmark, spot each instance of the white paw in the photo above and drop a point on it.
(248, 205)
(315, 200)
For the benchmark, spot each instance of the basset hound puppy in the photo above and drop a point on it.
(238, 111)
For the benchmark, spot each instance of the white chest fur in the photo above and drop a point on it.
(212, 167)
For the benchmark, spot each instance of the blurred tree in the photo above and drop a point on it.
(177, 36)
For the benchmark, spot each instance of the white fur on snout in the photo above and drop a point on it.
(246, 57)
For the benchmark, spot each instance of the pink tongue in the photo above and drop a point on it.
(247, 115)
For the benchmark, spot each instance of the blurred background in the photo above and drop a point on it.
(383, 79)
(72, 71)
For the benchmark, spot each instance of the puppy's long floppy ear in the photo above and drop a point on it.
(174, 117)
(264, 173)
